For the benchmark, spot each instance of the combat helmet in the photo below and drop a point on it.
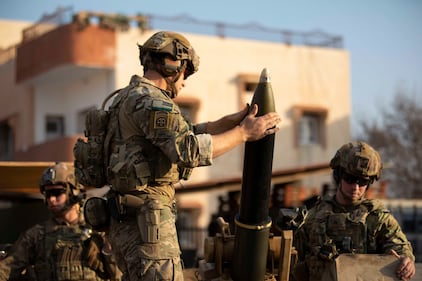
(174, 45)
(358, 159)
(63, 174)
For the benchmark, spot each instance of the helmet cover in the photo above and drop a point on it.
(62, 174)
(170, 44)
(358, 159)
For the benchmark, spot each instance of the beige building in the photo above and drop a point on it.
(51, 75)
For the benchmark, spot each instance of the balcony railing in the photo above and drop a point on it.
(185, 23)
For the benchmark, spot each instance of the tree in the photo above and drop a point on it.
(399, 140)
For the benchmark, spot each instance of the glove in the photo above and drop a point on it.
(95, 258)
(92, 253)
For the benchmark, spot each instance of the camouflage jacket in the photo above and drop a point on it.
(152, 144)
(368, 228)
(52, 250)
(330, 229)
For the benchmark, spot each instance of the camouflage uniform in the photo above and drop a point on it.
(153, 147)
(331, 229)
(52, 250)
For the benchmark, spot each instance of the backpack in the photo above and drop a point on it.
(91, 154)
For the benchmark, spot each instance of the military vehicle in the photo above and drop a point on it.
(19, 196)
(252, 253)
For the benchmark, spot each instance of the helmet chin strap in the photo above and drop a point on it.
(171, 80)
(171, 85)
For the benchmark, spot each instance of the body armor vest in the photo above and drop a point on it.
(342, 232)
(333, 230)
(62, 256)
(134, 162)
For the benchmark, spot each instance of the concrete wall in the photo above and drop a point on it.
(11, 32)
(309, 77)
(17, 106)
(301, 76)
(68, 97)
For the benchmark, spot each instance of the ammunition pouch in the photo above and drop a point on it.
(148, 219)
(75, 271)
(328, 252)
(128, 169)
(346, 245)
(69, 266)
(147, 209)
(137, 163)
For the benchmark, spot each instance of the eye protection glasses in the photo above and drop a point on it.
(350, 179)
(54, 192)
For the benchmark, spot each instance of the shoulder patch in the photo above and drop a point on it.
(162, 105)
(161, 120)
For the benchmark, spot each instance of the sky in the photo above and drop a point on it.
(383, 37)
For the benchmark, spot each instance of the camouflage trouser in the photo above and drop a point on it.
(156, 260)
(160, 270)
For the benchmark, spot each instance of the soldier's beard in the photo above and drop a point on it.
(171, 88)
(349, 200)
(59, 209)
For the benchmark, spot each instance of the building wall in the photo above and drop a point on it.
(306, 77)
(17, 106)
(68, 97)
(11, 32)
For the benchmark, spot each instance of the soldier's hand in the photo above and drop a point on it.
(406, 268)
(92, 252)
(235, 118)
(256, 128)
(227, 122)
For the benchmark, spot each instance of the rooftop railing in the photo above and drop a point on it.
(183, 23)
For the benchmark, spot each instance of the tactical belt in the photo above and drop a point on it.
(127, 204)
(136, 201)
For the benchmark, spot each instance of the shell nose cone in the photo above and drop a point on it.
(265, 76)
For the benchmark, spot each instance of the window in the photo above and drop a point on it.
(310, 125)
(189, 107)
(54, 126)
(6, 141)
(309, 129)
(188, 111)
(247, 84)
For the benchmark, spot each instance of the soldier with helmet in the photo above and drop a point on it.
(63, 247)
(153, 147)
(348, 222)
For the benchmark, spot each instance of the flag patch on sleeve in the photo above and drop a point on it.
(162, 105)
